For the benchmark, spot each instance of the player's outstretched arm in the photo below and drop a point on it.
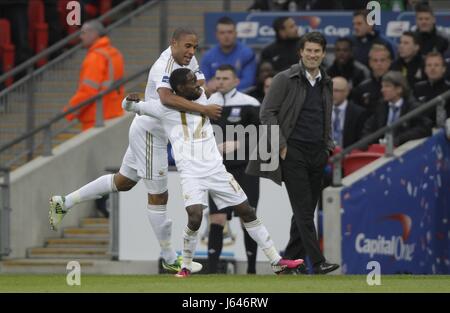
(132, 103)
(168, 98)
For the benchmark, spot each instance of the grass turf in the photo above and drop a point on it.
(223, 283)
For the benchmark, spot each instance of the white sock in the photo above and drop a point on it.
(259, 233)
(162, 227)
(93, 190)
(189, 243)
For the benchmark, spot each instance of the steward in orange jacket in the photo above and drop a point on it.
(102, 66)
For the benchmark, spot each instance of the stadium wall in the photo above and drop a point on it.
(394, 211)
(73, 164)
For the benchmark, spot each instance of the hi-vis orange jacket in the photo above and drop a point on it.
(102, 65)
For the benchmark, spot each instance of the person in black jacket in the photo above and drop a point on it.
(365, 35)
(368, 93)
(409, 61)
(283, 52)
(345, 65)
(397, 102)
(238, 109)
(430, 38)
(436, 83)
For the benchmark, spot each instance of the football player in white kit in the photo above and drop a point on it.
(146, 155)
(201, 169)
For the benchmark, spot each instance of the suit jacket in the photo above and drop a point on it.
(353, 124)
(413, 129)
(282, 106)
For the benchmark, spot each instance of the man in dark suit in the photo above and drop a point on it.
(397, 102)
(347, 119)
(300, 102)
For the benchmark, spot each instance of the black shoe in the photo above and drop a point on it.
(324, 268)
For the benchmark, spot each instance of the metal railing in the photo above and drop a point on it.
(441, 114)
(19, 99)
(5, 213)
(46, 127)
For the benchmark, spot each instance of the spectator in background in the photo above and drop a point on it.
(429, 37)
(229, 51)
(102, 66)
(368, 93)
(306, 5)
(435, 85)
(396, 103)
(409, 61)
(347, 119)
(283, 52)
(238, 109)
(346, 66)
(365, 36)
(265, 70)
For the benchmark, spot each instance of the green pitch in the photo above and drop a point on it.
(222, 283)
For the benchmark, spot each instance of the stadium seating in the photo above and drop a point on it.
(7, 49)
(38, 28)
(358, 159)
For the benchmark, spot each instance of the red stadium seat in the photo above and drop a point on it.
(38, 28)
(7, 49)
(356, 160)
(377, 148)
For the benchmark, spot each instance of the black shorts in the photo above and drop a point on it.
(250, 185)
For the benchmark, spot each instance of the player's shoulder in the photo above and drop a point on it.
(216, 98)
(245, 99)
(164, 62)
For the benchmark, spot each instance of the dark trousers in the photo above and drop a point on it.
(302, 174)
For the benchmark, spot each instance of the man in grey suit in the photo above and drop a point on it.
(300, 102)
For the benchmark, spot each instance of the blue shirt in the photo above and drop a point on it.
(241, 57)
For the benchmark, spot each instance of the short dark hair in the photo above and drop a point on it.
(423, 7)
(315, 37)
(182, 31)
(227, 67)
(413, 35)
(226, 21)
(362, 12)
(398, 80)
(278, 23)
(179, 77)
(345, 39)
(435, 54)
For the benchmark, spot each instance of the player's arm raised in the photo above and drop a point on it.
(168, 98)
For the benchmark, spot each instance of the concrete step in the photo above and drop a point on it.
(77, 232)
(36, 266)
(76, 243)
(95, 222)
(67, 253)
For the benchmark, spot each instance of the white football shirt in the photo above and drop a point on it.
(192, 138)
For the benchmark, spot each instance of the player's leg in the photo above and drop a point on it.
(190, 234)
(195, 201)
(217, 222)
(160, 222)
(226, 192)
(250, 185)
(124, 180)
